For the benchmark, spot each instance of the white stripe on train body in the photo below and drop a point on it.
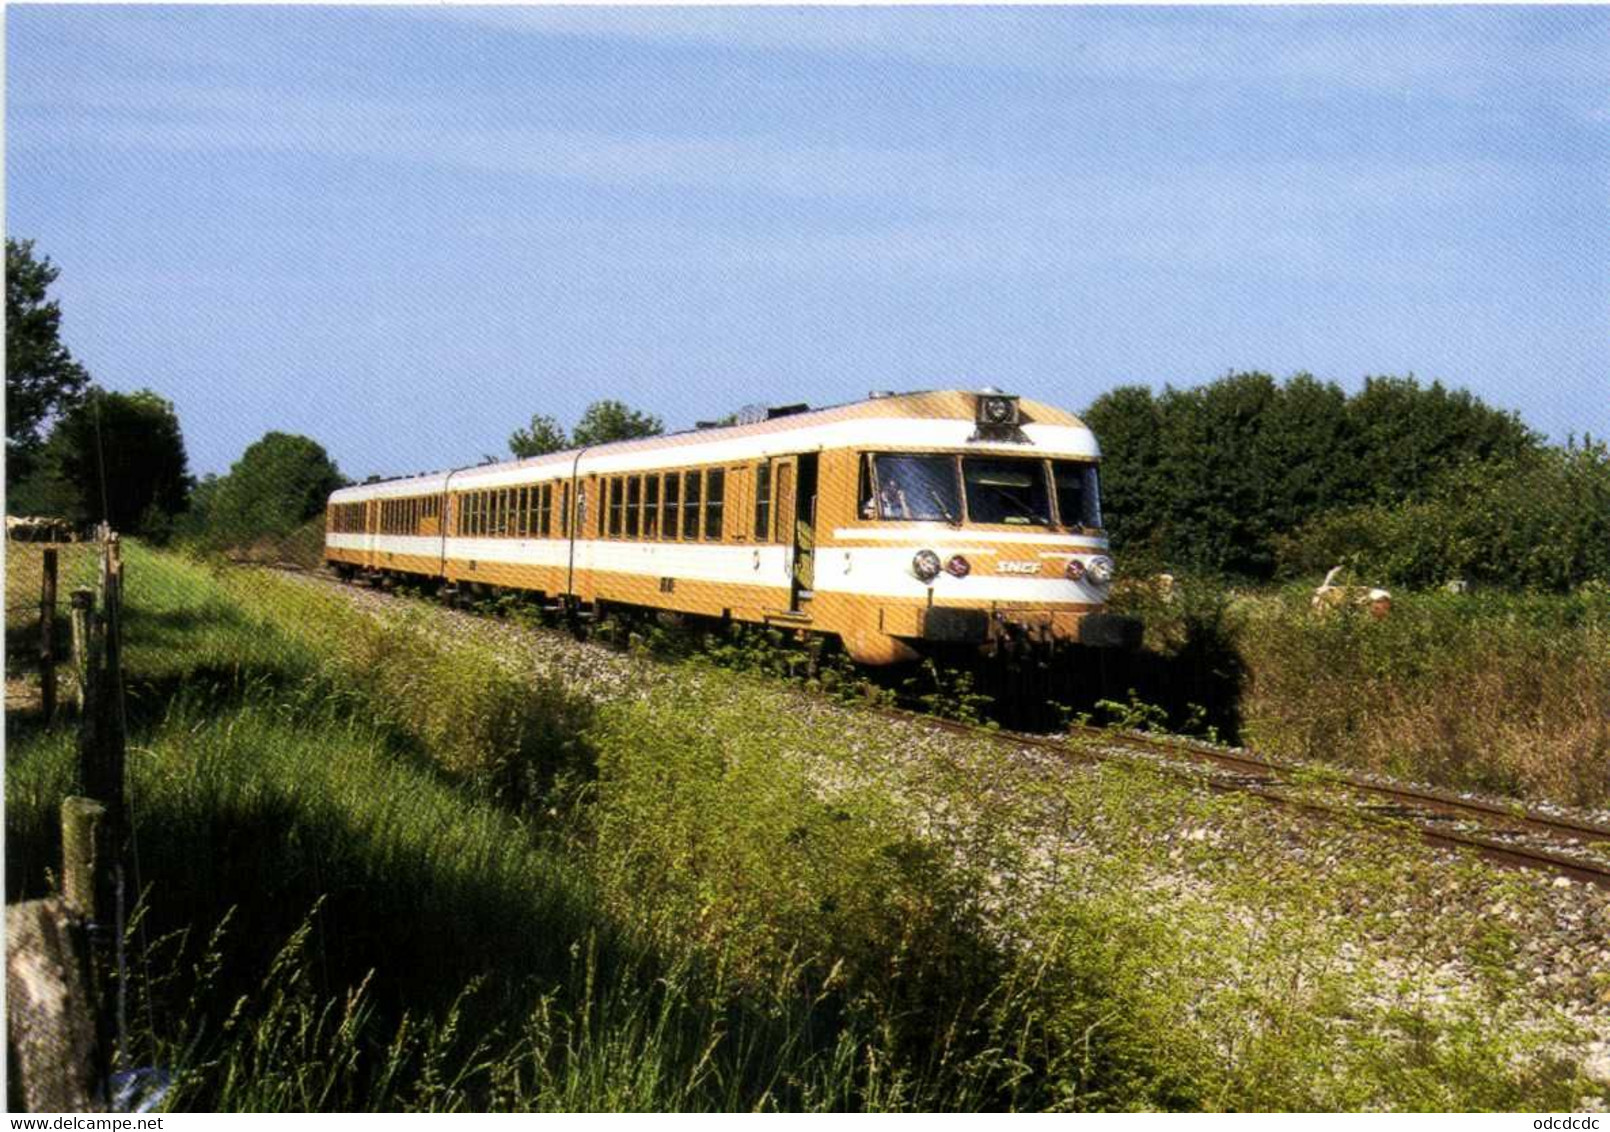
(870, 571)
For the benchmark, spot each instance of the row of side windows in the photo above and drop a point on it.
(408, 516)
(653, 506)
(534, 511)
(665, 506)
(345, 518)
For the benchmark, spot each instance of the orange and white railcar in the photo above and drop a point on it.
(892, 524)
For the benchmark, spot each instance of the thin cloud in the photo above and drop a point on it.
(181, 119)
(1464, 59)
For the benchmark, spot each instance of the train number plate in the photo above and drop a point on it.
(1007, 567)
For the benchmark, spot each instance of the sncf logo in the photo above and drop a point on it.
(1007, 567)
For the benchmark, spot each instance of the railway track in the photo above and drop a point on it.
(1513, 836)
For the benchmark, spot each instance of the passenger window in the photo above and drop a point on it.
(715, 489)
(651, 507)
(673, 507)
(763, 502)
(634, 504)
(690, 505)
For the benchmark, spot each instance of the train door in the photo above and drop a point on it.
(371, 528)
(805, 532)
(795, 477)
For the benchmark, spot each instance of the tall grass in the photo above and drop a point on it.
(1506, 693)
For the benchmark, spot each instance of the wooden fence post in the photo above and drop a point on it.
(83, 643)
(101, 740)
(47, 636)
(55, 1058)
(83, 856)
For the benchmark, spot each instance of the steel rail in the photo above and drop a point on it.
(1415, 814)
(1443, 801)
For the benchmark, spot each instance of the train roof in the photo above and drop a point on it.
(1045, 427)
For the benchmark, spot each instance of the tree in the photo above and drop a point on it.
(542, 437)
(42, 379)
(606, 421)
(1213, 476)
(123, 456)
(279, 483)
(1406, 435)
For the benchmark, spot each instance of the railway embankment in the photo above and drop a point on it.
(475, 864)
(1209, 903)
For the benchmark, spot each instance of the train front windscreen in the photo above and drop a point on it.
(1001, 490)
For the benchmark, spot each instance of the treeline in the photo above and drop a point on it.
(1411, 484)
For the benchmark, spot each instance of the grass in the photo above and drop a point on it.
(1502, 693)
(715, 894)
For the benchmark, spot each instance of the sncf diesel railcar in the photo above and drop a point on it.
(893, 524)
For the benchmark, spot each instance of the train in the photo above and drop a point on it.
(898, 525)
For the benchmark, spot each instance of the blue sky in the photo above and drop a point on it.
(402, 231)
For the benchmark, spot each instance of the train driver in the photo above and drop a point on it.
(891, 502)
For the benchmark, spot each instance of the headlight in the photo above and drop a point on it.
(1075, 569)
(1100, 570)
(958, 567)
(925, 564)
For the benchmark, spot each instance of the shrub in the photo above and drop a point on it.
(1540, 522)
